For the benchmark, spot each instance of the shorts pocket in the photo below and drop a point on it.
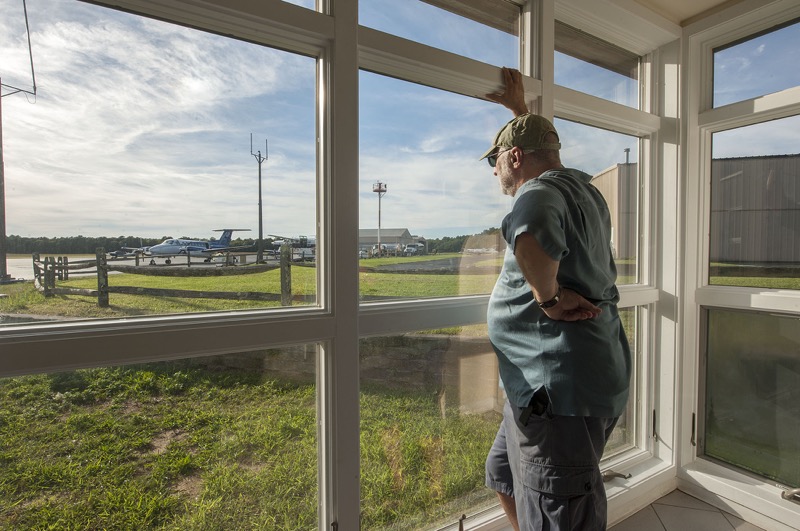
(559, 481)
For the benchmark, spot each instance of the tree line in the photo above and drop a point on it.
(86, 244)
(489, 238)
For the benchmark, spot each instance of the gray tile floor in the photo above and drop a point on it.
(677, 511)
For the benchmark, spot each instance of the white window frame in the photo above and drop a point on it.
(342, 48)
(753, 499)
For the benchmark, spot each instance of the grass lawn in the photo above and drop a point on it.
(192, 446)
(183, 446)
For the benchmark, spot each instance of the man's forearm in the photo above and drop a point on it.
(538, 268)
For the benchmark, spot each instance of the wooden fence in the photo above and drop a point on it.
(50, 269)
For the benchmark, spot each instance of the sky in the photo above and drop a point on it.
(143, 128)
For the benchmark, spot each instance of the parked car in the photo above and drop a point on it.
(413, 249)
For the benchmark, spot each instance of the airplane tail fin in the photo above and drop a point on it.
(225, 239)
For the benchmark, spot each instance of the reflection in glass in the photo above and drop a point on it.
(624, 435)
(431, 404)
(487, 31)
(756, 66)
(221, 442)
(588, 64)
(437, 219)
(430, 409)
(752, 409)
(612, 160)
(755, 206)
(140, 135)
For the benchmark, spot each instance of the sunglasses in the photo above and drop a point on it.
(493, 158)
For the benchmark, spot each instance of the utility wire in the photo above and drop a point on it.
(30, 54)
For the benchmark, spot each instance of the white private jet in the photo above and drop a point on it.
(180, 246)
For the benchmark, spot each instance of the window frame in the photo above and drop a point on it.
(756, 500)
(338, 321)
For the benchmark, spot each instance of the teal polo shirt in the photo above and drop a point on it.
(585, 366)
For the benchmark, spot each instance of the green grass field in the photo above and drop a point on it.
(188, 446)
(182, 446)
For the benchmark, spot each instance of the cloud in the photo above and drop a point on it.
(141, 127)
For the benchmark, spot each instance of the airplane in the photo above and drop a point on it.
(304, 248)
(180, 246)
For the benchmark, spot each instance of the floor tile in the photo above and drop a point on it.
(677, 498)
(739, 524)
(644, 520)
(685, 519)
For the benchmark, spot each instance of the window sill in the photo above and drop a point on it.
(745, 496)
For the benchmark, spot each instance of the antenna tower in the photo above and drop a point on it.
(4, 276)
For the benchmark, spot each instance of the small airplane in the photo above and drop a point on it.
(180, 246)
(304, 248)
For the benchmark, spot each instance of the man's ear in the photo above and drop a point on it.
(516, 156)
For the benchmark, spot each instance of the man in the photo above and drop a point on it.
(553, 322)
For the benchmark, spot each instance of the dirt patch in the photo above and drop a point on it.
(161, 441)
(190, 486)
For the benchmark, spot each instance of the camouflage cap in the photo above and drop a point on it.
(527, 132)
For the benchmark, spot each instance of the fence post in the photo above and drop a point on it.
(102, 278)
(65, 270)
(37, 271)
(286, 275)
(59, 271)
(49, 275)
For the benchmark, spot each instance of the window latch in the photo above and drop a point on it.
(793, 495)
(461, 522)
(608, 475)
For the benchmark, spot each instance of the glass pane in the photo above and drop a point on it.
(221, 442)
(138, 143)
(309, 4)
(479, 29)
(431, 404)
(756, 66)
(440, 207)
(612, 158)
(430, 409)
(585, 63)
(755, 206)
(624, 435)
(752, 410)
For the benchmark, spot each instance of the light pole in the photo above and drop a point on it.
(260, 159)
(4, 276)
(380, 189)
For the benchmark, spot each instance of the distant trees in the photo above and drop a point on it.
(74, 244)
(489, 238)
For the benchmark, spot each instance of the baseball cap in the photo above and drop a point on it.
(526, 131)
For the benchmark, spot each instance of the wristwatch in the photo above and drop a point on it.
(552, 302)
